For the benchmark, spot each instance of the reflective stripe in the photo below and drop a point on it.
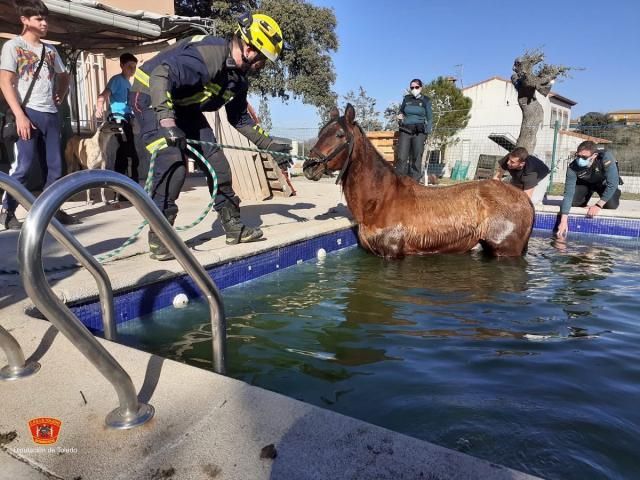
(142, 77)
(158, 144)
(259, 129)
(209, 90)
(214, 88)
(199, 97)
(197, 38)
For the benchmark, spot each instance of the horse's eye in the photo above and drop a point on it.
(340, 134)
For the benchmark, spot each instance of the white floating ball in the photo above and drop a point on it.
(180, 300)
(322, 253)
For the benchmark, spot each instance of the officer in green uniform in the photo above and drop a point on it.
(415, 120)
(591, 171)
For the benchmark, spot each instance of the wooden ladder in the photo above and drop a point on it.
(255, 176)
(278, 181)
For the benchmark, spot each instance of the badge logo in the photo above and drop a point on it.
(45, 430)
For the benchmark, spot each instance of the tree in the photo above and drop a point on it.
(592, 120)
(193, 8)
(390, 116)
(324, 112)
(264, 114)
(365, 106)
(531, 75)
(305, 70)
(597, 124)
(450, 112)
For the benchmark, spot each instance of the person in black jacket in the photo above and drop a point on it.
(527, 172)
(415, 119)
(171, 91)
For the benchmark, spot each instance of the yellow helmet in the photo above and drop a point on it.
(263, 33)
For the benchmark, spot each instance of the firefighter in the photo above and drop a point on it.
(171, 91)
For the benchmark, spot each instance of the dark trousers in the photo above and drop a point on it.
(126, 155)
(584, 192)
(410, 149)
(170, 164)
(42, 147)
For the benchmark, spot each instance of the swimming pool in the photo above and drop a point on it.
(531, 363)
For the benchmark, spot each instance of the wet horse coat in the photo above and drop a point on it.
(397, 216)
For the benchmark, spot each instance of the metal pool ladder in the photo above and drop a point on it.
(130, 413)
(17, 367)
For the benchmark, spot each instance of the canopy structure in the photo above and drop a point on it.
(95, 27)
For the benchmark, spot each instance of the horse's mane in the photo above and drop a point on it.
(378, 164)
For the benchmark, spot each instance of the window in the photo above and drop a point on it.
(554, 117)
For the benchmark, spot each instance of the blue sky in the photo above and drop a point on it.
(384, 44)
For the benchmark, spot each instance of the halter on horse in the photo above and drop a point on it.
(348, 144)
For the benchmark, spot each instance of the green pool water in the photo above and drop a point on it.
(532, 363)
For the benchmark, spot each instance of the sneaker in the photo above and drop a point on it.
(9, 221)
(66, 219)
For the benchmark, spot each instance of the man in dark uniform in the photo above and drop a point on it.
(171, 91)
(527, 172)
(591, 171)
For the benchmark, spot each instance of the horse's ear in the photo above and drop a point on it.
(334, 113)
(350, 114)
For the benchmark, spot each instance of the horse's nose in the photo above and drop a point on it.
(312, 169)
(309, 162)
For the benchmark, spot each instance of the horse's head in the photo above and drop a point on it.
(333, 149)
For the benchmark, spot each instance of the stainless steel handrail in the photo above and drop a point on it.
(130, 413)
(17, 368)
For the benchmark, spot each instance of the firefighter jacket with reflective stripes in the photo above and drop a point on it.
(199, 73)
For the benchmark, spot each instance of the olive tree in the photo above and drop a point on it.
(532, 77)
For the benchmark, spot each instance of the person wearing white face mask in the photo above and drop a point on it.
(591, 171)
(415, 120)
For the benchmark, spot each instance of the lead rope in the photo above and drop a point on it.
(147, 187)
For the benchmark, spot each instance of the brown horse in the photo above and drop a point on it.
(397, 216)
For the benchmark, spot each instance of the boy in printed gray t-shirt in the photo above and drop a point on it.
(21, 57)
(36, 119)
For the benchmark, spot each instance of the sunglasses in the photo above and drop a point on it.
(415, 87)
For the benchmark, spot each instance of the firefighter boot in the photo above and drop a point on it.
(236, 231)
(157, 248)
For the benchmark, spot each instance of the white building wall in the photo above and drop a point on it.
(495, 110)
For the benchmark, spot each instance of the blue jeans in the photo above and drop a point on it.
(43, 146)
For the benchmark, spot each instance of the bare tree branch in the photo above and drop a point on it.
(531, 75)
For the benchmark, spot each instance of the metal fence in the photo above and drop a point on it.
(472, 152)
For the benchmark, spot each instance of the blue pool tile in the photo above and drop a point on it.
(131, 304)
